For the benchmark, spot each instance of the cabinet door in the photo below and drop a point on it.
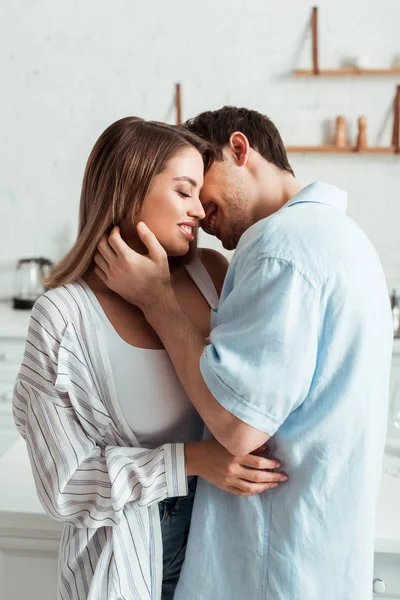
(8, 430)
(11, 351)
(393, 433)
(7, 439)
(387, 569)
(28, 568)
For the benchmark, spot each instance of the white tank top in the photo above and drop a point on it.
(149, 392)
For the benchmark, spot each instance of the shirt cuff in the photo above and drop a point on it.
(175, 470)
(232, 402)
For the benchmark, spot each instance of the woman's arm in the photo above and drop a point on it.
(78, 480)
(240, 475)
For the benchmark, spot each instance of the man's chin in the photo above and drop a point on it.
(228, 242)
(228, 245)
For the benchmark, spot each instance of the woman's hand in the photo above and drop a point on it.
(240, 475)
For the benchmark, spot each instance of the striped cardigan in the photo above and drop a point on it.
(89, 469)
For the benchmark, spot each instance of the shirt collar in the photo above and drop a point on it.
(321, 193)
(317, 192)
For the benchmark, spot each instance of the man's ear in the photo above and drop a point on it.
(240, 147)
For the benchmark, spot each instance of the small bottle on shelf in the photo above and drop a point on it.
(340, 133)
(362, 134)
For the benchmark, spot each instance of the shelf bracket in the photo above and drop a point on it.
(396, 122)
(178, 104)
(314, 31)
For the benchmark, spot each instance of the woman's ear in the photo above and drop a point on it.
(240, 147)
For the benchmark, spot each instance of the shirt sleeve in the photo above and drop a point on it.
(261, 360)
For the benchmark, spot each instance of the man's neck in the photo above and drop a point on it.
(269, 204)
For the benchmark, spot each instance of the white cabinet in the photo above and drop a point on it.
(29, 565)
(13, 329)
(387, 576)
(387, 564)
(29, 539)
(393, 432)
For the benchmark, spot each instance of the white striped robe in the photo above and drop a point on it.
(89, 469)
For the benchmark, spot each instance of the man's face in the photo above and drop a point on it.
(227, 196)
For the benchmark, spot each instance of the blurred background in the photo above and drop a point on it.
(70, 69)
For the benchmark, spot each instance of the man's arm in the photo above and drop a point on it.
(261, 361)
(117, 265)
(185, 346)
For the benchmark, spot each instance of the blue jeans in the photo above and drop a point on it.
(175, 515)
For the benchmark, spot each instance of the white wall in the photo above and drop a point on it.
(69, 69)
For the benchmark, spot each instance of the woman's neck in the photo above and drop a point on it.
(98, 286)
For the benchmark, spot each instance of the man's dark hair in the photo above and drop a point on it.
(217, 126)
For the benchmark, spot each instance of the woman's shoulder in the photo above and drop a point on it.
(216, 264)
(59, 306)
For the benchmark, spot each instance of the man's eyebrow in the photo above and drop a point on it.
(188, 179)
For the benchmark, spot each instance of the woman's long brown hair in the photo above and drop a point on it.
(118, 176)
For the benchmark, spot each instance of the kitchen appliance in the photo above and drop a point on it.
(29, 277)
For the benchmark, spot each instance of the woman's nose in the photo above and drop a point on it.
(197, 210)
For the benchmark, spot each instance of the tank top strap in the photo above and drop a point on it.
(202, 279)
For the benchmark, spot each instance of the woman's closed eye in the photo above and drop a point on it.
(183, 194)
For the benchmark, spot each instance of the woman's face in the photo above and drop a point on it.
(172, 209)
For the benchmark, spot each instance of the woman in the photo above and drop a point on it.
(114, 443)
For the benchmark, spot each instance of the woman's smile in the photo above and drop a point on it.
(187, 230)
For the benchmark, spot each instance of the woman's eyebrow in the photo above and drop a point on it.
(188, 179)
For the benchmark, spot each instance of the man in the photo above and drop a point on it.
(299, 356)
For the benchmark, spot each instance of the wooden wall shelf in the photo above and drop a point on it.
(344, 71)
(394, 148)
(316, 71)
(361, 147)
(335, 150)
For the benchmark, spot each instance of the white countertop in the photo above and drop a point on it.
(21, 510)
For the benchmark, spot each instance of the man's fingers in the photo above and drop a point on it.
(116, 243)
(100, 274)
(156, 251)
(101, 262)
(105, 249)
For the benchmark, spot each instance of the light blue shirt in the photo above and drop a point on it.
(300, 349)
